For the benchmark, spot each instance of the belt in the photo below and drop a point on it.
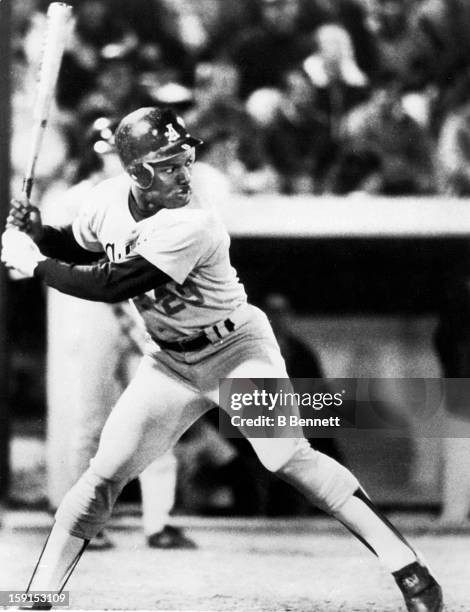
(218, 331)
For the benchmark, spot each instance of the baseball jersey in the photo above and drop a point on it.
(189, 244)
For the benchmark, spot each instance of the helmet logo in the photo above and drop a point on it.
(171, 134)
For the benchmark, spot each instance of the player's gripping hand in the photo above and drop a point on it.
(25, 217)
(20, 253)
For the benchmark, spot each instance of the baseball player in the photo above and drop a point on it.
(169, 253)
(102, 360)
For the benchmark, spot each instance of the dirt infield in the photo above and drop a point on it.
(242, 567)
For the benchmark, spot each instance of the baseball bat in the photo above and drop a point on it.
(57, 28)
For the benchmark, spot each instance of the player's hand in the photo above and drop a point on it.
(25, 217)
(20, 253)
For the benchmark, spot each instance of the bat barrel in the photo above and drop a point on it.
(58, 19)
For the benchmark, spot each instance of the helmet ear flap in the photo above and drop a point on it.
(141, 174)
(132, 170)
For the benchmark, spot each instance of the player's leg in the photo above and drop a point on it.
(150, 416)
(158, 480)
(95, 358)
(103, 371)
(98, 388)
(332, 487)
(158, 489)
(157, 484)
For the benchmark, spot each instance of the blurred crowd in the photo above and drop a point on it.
(290, 96)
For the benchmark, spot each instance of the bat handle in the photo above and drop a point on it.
(27, 186)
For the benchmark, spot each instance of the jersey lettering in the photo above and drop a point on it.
(110, 250)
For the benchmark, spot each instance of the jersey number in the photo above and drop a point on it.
(172, 304)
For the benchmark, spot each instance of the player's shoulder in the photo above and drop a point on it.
(184, 225)
(108, 189)
(200, 214)
(177, 218)
(107, 193)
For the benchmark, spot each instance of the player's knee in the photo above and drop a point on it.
(324, 481)
(88, 505)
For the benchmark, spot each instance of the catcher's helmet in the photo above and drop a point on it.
(151, 134)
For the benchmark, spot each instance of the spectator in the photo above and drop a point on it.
(185, 25)
(233, 142)
(96, 25)
(441, 49)
(296, 134)
(384, 150)
(394, 40)
(117, 86)
(223, 20)
(162, 46)
(352, 16)
(265, 53)
(441, 52)
(454, 153)
(298, 118)
(339, 84)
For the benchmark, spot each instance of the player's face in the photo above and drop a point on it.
(169, 184)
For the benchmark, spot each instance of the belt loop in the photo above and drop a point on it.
(220, 330)
(229, 324)
(212, 335)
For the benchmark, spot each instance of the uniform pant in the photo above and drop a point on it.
(168, 393)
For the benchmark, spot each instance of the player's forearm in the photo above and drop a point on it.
(106, 282)
(60, 243)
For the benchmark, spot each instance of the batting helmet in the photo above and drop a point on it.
(151, 134)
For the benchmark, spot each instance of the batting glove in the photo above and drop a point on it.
(20, 253)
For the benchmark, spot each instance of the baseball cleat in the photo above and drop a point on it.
(420, 590)
(170, 538)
